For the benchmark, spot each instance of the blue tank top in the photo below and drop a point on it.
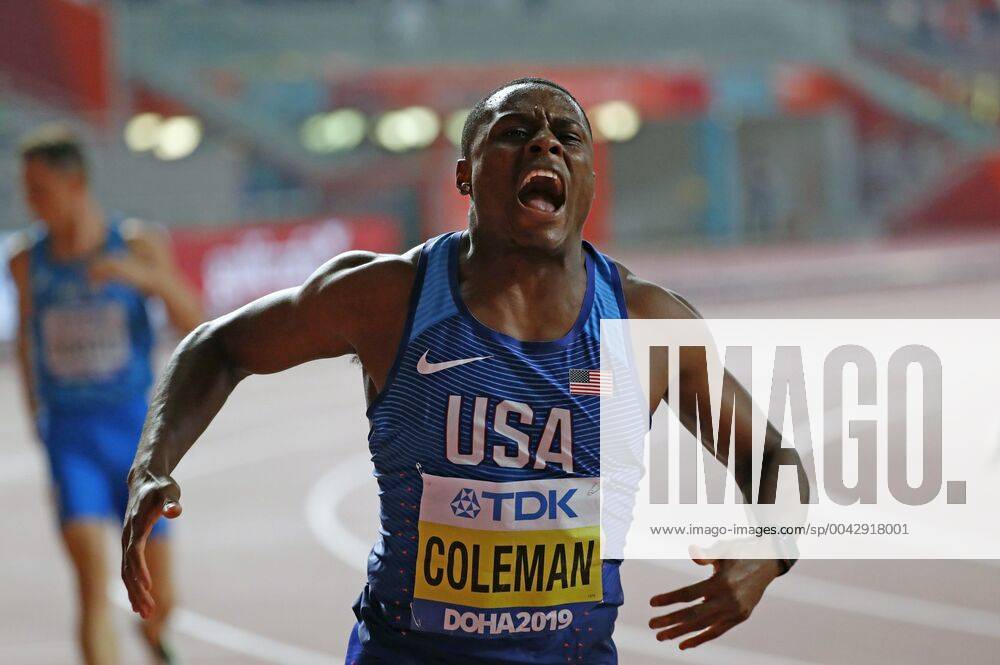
(486, 451)
(91, 342)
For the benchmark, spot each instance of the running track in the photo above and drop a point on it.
(280, 510)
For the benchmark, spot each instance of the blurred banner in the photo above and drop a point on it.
(74, 69)
(233, 265)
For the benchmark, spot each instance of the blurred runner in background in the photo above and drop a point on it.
(84, 342)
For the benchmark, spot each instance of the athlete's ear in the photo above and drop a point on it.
(463, 176)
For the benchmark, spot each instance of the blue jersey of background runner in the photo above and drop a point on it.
(59, 284)
(408, 429)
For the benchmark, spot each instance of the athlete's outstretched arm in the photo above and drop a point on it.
(736, 585)
(320, 319)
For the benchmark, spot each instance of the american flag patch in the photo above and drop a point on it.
(590, 382)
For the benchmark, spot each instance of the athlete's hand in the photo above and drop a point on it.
(124, 268)
(729, 596)
(150, 497)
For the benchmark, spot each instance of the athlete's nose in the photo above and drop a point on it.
(544, 141)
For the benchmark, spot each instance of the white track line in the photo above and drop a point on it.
(354, 471)
(19, 466)
(224, 635)
(242, 458)
(327, 493)
(643, 642)
(334, 487)
(245, 642)
(232, 638)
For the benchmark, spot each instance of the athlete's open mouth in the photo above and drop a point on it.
(542, 190)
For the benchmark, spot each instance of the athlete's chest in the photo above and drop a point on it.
(65, 301)
(68, 285)
(475, 405)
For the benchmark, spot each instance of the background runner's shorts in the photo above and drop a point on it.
(90, 453)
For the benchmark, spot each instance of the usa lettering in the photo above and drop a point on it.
(554, 445)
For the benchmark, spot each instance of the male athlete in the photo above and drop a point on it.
(484, 433)
(84, 341)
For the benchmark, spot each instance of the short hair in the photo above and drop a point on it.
(57, 146)
(478, 113)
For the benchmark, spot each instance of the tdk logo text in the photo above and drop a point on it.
(531, 505)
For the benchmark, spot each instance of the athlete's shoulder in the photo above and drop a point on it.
(18, 250)
(364, 281)
(368, 270)
(646, 300)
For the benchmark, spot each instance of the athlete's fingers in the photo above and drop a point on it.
(145, 507)
(125, 567)
(140, 550)
(134, 556)
(684, 615)
(688, 627)
(682, 595)
(133, 561)
(127, 581)
(143, 602)
(137, 561)
(131, 596)
(145, 579)
(713, 631)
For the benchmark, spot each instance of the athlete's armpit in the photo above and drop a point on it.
(646, 300)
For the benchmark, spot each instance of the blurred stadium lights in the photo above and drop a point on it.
(337, 131)
(616, 121)
(168, 138)
(454, 124)
(985, 99)
(407, 129)
(178, 137)
(142, 132)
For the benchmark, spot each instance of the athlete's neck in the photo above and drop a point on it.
(84, 234)
(527, 294)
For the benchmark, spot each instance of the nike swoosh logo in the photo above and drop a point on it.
(424, 367)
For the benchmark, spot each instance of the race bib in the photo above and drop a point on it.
(85, 341)
(506, 559)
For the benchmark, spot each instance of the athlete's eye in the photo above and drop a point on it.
(516, 132)
(569, 138)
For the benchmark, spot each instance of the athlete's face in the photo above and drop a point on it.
(54, 195)
(531, 166)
